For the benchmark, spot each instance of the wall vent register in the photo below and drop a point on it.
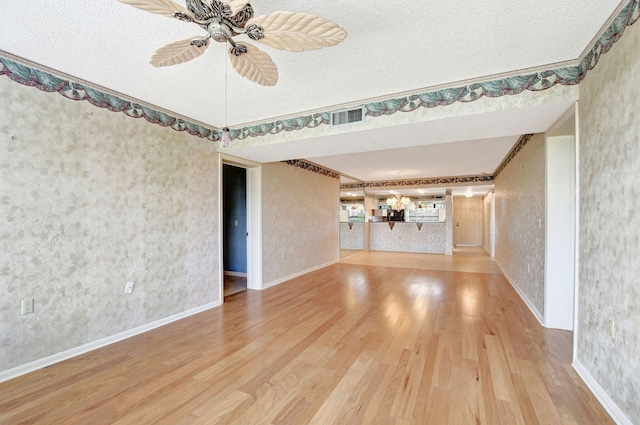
(347, 117)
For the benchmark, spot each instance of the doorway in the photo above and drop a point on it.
(253, 221)
(467, 221)
(234, 229)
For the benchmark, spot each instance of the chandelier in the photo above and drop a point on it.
(398, 202)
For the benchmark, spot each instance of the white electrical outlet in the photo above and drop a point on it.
(26, 306)
(128, 288)
(612, 328)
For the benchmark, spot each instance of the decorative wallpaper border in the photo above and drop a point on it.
(420, 182)
(47, 82)
(522, 141)
(313, 168)
(349, 199)
(539, 81)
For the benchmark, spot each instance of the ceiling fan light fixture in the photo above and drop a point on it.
(225, 140)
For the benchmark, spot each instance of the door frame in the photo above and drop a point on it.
(254, 221)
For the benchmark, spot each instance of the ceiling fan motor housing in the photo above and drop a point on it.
(219, 32)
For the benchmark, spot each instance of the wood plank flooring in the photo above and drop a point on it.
(348, 344)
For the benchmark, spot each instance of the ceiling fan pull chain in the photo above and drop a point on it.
(225, 139)
(226, 67)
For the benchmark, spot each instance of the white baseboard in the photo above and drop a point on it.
(284, 279)
(609, 405)
(523, 296)
(85, 348)
(237, 274)
(488, 252)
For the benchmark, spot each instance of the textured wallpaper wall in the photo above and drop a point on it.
(520, 213)
(300, 221)
(609, 241)
(90, 199)
(352, 237)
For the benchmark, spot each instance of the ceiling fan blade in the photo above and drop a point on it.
(297, 32)
(178, 52)
(254, 65)
(237, 5)
(161, 7)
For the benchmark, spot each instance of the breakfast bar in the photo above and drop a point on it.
(425, 237)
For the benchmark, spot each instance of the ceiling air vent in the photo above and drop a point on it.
(347, 117)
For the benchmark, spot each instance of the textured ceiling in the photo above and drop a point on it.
(392, 48)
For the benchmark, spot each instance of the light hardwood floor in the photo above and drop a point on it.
(348, 344)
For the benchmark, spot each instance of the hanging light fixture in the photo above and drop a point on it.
(225, 140)
(398, 202)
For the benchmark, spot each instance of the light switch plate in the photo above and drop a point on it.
(128, 288)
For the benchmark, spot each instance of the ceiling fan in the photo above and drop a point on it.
(223, 20)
